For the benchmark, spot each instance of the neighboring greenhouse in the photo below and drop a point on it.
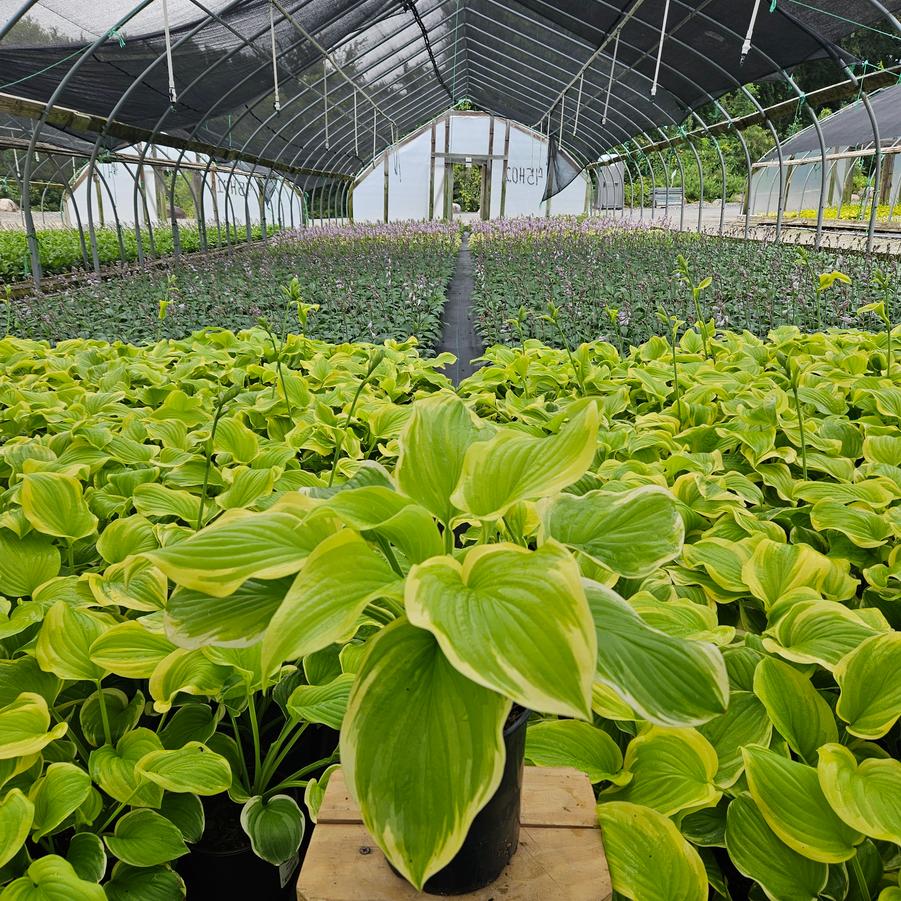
(353, 546)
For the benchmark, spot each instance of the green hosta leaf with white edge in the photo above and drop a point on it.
(275, 827)
(576, 744)
(114, 769)
(722, 560)
(870, 680)
(25, 563)
(144, 838)
(405, 707)
(433, 445)
(324, 704)
(512, 620)
(789, 797)
(191, 672)
(632, 533)
(135, 584)
(58, 793)
(775, 569)
(255, 545)
(649, 859)
(64, 642)
(797, 709)
(866, 794)
(16, 816)
(193, 769)
(758, 853)
(512, 466)
(339, 579)
(672, 770)
(822, 632)
(120, 713)
(87, 855)
(54, 504)
(863, 527)
(247, 485)
(315, 791)
(667, 680)
(160, 883)
(25, 726)
(157, 500)
(195, 619)
(52, 878)
(130, 650)
(745, 723)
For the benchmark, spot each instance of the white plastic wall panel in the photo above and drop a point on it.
(408, 179)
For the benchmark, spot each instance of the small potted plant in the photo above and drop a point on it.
(453, 591)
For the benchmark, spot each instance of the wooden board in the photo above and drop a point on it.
(560, 856)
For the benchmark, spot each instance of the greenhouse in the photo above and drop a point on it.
(450, 447)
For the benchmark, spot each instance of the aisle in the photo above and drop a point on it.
(458, 336)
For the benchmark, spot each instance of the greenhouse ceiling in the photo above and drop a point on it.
(320, 87)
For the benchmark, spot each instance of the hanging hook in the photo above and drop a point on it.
(325, 100)
(660, 49)
(173, 94)
(746, 46)
(610, 82)
(578, 103)
(276, 101)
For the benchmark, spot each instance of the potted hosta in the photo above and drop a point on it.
(458, 592)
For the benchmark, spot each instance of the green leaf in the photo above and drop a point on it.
(193, 769)
(324, 704)
(130, 650)
(144, 838)
(246, 486)
(275, 827)
(114, 769)
(25, 563)
(54, 504)
(25, 726)
(57, 794)
(122, 714)
(870, 680)
(195, 619)
(16, 816)
(157, 500)
(863, 527)
(759, 854)
(219, 558)
(744, 723)
(789, 797)
(405, 707)
(578, 745)
(187, 812)
(638, 662)
(513, 466)
(512, 620)
(864, 795)
(191, 672)
(87, 855)
(51, 878)
(648, 858)
(124, 537)
(64, 642)
(432, 448)
(797, 710)
(158, 883)
(235, 439)
(632, 533)
(315, 791)
(193, 722)
(672, 770)
(339, 579)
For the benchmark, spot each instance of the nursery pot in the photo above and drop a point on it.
(494, 834)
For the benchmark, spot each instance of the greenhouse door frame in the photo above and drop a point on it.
(483, 162)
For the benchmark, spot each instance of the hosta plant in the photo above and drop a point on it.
(472, 578)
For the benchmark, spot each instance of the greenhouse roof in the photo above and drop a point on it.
(325, 85)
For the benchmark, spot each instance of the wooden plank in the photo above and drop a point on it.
(557, 864)
(432, 177)
(506, 166)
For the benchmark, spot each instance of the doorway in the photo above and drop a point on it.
(467, 196)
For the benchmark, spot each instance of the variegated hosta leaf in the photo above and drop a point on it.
(863, 527)
(59, 792)
(432, 448)
(219, 558)
(16, 816)
(25, 726)
(126, 536)
(275, 827)
(744, 723)
(672, 770)
(631, 533)
(54, 504)
(194, 769)
(758, 853)
(865, 795)
(789, 797)
(145, 838)
(576, 744)
(513, 620)
(114, 769)
(405, 707)
(130, 650)
(513, 466)
(324, 704)
(64, 643)
(53, 877)
(25, 563)
(797, 709)
(668, 680)
(870, 680)
(648, 858)
(339, 579)
(188, 671)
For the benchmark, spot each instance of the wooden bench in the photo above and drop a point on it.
(560, 855)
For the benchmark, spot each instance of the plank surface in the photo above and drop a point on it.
(560, 855)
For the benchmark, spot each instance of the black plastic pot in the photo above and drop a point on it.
(494, 834)
(239, 873)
